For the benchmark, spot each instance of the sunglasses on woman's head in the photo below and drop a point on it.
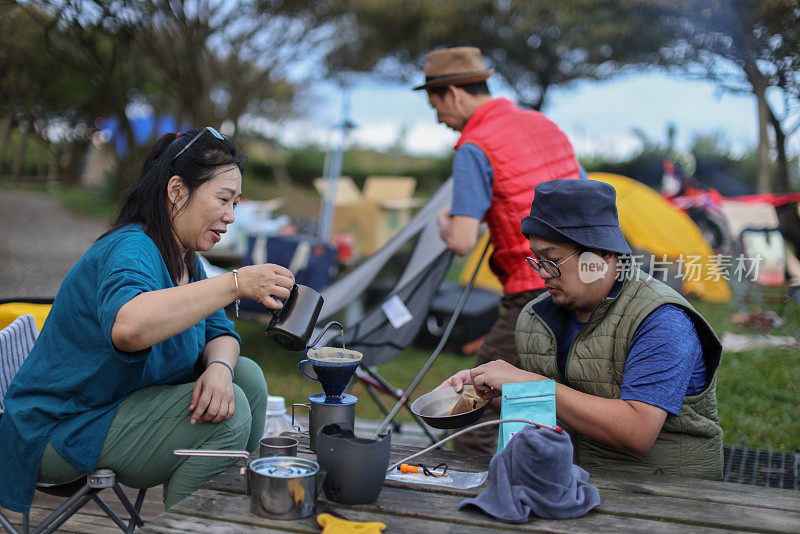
(210, 129)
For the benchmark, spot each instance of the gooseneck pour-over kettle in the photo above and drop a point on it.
(291, 326)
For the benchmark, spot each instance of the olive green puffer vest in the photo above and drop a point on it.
(690, 444)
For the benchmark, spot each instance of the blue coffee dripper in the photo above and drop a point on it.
(334, 368)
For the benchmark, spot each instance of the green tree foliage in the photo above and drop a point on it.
(533, 45)
(748, 46)
(219, 60)
(717, 166)
(305, 164)
(201, 61)
(36, 92)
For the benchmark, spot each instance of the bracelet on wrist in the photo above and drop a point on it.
(236, 304)
(226, 364)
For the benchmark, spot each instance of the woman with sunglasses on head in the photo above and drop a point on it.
(136, 357)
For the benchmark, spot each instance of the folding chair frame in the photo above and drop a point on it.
(95, 483)
(753, 292)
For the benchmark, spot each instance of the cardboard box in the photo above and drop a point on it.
(375, 215)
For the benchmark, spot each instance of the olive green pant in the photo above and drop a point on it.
(154, 421)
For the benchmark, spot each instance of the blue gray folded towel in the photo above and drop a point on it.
(534, 474)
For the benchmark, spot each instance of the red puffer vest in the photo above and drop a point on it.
(524, 149)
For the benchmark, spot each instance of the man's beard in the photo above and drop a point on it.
(566, 302)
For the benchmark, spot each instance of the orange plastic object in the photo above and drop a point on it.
(406, 468)
(335, 525)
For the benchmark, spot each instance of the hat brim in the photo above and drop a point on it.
(600, 237)
(456, 79)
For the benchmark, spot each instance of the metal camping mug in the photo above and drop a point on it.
(277, 446)
(321, 414)
(280, 487)
(283, 487)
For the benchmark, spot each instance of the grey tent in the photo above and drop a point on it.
(409, 267)
(384, 302)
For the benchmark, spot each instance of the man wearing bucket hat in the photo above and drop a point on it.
(635, 365)
(502, 154)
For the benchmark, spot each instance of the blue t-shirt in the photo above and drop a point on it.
(68, 389)
(472, 182)
(665, 360)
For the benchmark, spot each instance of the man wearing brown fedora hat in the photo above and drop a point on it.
(502, 154)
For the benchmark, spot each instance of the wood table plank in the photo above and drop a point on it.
(403, 511)
(623, 503)
(230, 508)
(173, 523)
(697, 489)
(630, 503)
(700, 492)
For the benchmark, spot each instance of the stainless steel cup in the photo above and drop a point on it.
(280, 487)
(277, 446)
(283, 487)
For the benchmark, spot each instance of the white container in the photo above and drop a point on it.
(278, 421)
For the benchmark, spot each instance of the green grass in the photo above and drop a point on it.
(757, 390)
(758, 399)
(92, 203)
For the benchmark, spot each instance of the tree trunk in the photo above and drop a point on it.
(41, 166)
(127, 167)
(782, 183)
(69, 163)
(19, 155)
(759, 83)
(5, 136)
(762, 179)
(279, 159)
(52, 169)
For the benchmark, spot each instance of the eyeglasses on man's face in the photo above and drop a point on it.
(209, 129)
(550, 267)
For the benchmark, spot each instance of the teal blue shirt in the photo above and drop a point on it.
(69, 387)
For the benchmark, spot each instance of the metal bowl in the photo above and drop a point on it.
(434, 408)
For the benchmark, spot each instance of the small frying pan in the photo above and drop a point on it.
(434, 408)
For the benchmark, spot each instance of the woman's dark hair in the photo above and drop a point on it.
(146, 201)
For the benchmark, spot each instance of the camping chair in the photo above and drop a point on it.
(756, 232)
(383, 303)
(16, 341)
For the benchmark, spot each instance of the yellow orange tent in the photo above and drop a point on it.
(652, 224)
(484, 279)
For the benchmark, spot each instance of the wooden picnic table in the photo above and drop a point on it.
(630, 503)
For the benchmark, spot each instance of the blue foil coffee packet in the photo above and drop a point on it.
(534, 401)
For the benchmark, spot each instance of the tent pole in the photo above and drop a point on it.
(334, 168)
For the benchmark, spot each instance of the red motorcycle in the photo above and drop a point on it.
(703, 205)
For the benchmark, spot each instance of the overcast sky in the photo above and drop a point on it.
(599, 117)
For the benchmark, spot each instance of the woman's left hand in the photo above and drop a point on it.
(212, 396)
